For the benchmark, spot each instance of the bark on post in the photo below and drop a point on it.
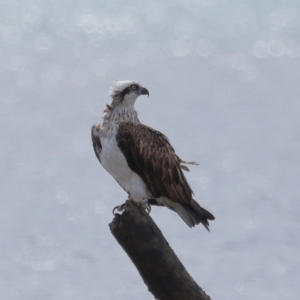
(158, 265)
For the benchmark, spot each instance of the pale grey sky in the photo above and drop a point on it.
(224, 85)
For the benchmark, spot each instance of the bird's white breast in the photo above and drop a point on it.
(114, 162)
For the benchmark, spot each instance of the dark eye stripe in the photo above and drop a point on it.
(128, 89)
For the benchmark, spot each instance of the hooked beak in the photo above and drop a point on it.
(144, 92)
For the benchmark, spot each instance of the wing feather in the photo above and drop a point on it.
(96, 140)
(149, 153)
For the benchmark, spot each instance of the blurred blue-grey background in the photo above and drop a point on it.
(224, 87)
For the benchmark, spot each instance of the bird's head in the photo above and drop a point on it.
(127, 91)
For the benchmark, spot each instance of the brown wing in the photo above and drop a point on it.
(149, 154)
(96, 140)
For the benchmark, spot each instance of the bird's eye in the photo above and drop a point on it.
(134, 87)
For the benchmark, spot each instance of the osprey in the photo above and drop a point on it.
(142, 159)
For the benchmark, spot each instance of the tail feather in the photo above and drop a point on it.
(197, 214)
(192, 214)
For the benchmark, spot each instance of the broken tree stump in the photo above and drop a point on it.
(158, 265)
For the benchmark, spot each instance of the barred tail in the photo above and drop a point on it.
(193, 214)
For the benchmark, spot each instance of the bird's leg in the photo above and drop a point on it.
(121, 207)
(142, 202)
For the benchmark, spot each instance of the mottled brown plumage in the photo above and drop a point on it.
(149, 154)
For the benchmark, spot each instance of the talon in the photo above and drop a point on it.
(148, 208)
(118, 208)
(113, 211)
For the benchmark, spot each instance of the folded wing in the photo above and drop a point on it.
(149, 154)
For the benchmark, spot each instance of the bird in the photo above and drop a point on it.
(141, 159)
